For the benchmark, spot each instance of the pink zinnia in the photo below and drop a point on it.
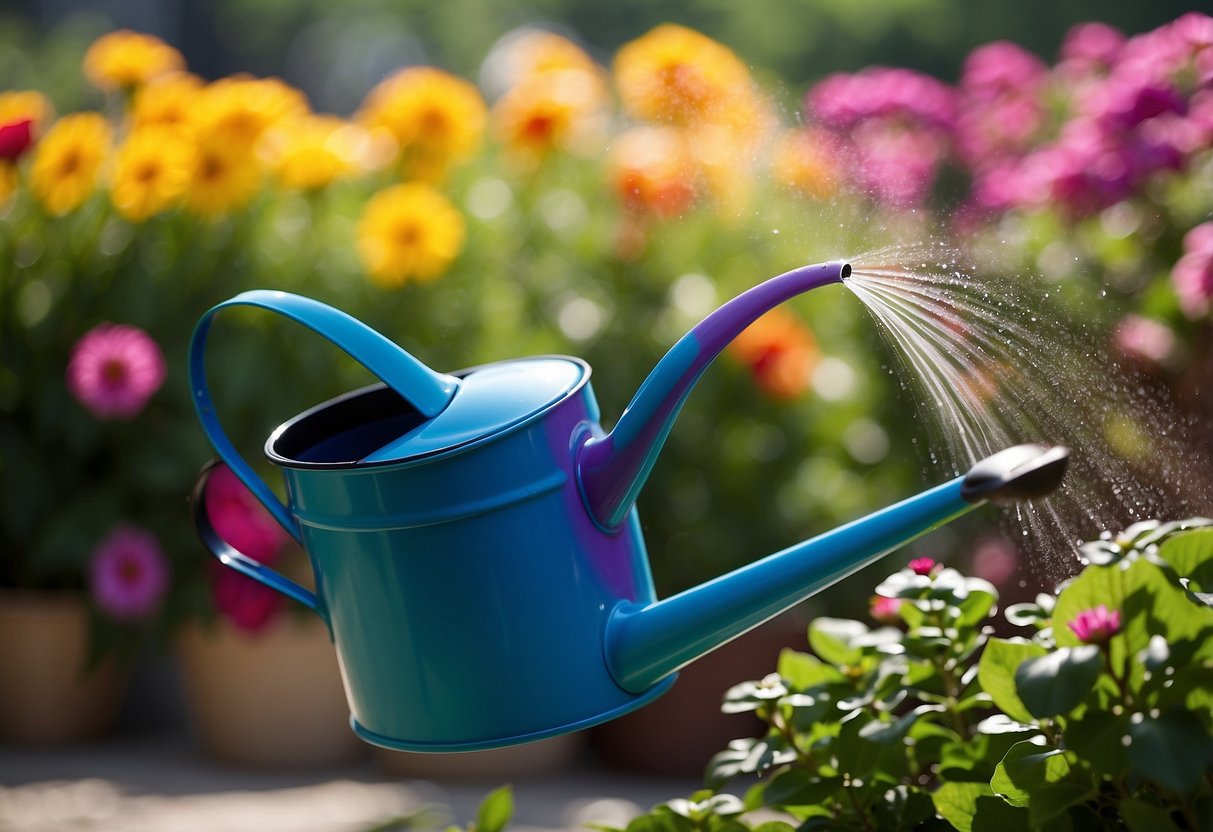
(886, 610)
(922, 566)
(1193, 274)
(248, 605)
(128, 574)
(240, 519)
(1096, 626)
(114, 369)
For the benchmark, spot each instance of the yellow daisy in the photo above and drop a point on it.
(125, 60)
(68, 161)
(435, 119)
(239, 109)
(311, 152)
(152, 169)
(168, 100)
(409, 232)
(223, 177)
(675, 75)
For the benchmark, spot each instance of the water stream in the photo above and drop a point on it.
(992, 363)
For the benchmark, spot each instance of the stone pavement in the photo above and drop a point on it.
(163, 783)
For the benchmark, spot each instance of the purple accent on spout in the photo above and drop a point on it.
(612, 469)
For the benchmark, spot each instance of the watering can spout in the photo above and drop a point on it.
(647, 642)
(612, 469)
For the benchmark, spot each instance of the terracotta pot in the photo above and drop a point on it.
(46, 693)
(678, 734)
(494, 765)
(270, 699)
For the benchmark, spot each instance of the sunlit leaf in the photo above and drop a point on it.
(996, 673)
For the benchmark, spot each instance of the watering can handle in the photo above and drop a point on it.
(428, 391)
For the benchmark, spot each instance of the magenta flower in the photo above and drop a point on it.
(1144, 339)
(248, 605)
(15, 138)
(128, 574)
(922, 566)
(1096, 626)
(114, 369)
(886, 610)
(239, 518)
(1193, 274)
(1090, 49)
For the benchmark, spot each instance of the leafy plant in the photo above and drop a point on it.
(1101, 719)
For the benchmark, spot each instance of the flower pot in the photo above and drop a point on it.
(512, 762)
(47, 693)
(270, 699)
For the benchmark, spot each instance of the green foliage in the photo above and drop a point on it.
(935, 725)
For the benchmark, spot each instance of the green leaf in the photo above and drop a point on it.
(894, 731)
(957, 802)
(1038, 778)
(1097, 737)
(996, 815)
(748, 756)
(775, 826)
(831, 639)
(996, 673)
(1191, 554)
(857, 756)
(1140, 816)
(799, 787)
(802, 671)
(1055, 684)
(496, 810)
(1174, 749)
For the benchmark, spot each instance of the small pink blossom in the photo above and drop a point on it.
(1090, 48)
(1193, 274)
(1144, 339)
(922, 566)
(114, 369)
(248, 605)
(128, 574)
(240, 519)
(886, 610)
(1096, 626)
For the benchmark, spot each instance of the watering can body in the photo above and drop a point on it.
(475, 546)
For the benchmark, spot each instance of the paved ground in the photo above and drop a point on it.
(162, 783)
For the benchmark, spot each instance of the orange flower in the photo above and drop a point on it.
(780, 352)
(239, 109)
(125, 60)
(674, 75)
(435, 119)
(652, 170)
(312, 151)
(806, 160)
(550, 111)
(167, 101)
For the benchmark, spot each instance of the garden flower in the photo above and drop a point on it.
(68, 161)
(525, 53)
(652, 170)
(885, 610)
(1145, 339)
(248, 605)
(409, 232)
(780, 352)
(114, 369)
(1090, 49)
(20, 105)
(125, 59)
(807, 160)
(1095, 626)
(128, 574)
(1002, 104)
(168, 101)
(553, 111)
(922, 566)
(311, 152)
(674, 75)
(224, 177)
(236, 111)
(15, 139)
(435, 118)
(1192, 276)
(239, 518)
(152, 169)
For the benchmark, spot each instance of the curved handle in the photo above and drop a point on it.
(426, 390)
(229, 556)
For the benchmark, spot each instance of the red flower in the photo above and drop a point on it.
(15, 138)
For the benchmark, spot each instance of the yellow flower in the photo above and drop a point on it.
(168, 100)
(675, 75)
(409, 232)
(152, 169)
(557, 110)
(239, 109)
(126, 59)
(435, 119)
(8, 183)
(224, 176)
(68, 161)
(807, 161)
(19, 105)
(313, 151)
(652, 169)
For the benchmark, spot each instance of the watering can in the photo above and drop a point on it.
(477, 555)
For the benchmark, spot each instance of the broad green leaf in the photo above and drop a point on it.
(799, 787)
(1038, 778)
(1055, 683)
(957, 802)
(1097, 737)
(831, 639)
(660, 822)
(857, 756)
(1140, 816)
(996, 815)
(748, 756)
(996, 673)
(1174, 749)
(802, 671)
(1191, 554)
(496, 810)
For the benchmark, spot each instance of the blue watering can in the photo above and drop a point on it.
(477, 554)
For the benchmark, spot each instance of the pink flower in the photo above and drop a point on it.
(1144, 339)
(114, 369)
(128, 574)
(995, 560)
(15, 138)
(1090, 48)
(239, 518)
(250, 606)
(886, 610)
(1096, 626)
(1193, 274)
(922, 566)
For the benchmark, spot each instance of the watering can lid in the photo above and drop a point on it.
(490, 399)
